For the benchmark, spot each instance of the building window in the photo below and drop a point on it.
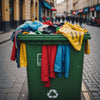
(43, 10)
(47, 12)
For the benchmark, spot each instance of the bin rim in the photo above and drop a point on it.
(47, 37)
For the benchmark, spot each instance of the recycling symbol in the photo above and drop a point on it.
(52, 94)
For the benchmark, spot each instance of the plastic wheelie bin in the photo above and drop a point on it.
(61, 88)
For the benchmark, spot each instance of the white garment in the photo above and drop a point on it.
(42, 27)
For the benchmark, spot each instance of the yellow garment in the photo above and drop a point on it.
(87, 49)
(74, 34)
(23, 56)
(74, 27)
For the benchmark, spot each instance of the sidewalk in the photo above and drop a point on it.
(5, 36)
(22, 92)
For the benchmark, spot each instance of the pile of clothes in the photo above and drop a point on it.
(55, 58)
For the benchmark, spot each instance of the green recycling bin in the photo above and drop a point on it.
(61, 88)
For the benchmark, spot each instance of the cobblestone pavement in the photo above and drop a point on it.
(91, 72)
(11, 78)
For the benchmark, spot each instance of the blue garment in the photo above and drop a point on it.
(62, 61)
(30, 25)
(18, 50)
(35, 25)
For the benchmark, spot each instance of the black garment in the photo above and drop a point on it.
(66, 18)
(73, 19)
(85, 19)
(61, 24)
(80, 19)
(55, 19)
(59, 19)
(69, 18)
(63, 18)
(49, 30)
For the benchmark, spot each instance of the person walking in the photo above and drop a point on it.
(76, 18)
(69, 18)
(73, 19)
(59, 19)
(80, 20)
(44, 18)
(66, 18)
(63, 19)
(55, 19)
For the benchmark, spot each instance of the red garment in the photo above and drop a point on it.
(52, 60)
(13, 54)
(47, 63)
(14, 50)
(48, 60)
(44, 65)
(48, 22)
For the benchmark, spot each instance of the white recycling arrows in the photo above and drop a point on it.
(54, 92)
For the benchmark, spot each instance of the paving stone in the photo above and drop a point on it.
(94, 89)
(7, 80)
(99, 93)
(6, 85)
(12, 96)
(2, 96)
(2, 77)
(18, 85)
(95, 94)
(11, 90)
(20, 79)
(97, 98)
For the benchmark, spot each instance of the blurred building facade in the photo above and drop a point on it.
(87, 8)
(15, 12)
(61, 7)
(46, 8)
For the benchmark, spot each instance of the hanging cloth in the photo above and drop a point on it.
(23, 56)
(62, 61)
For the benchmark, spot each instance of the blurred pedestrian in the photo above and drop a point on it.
(44, 18)
(51, 19)
(35, 18)
(69, 18)
(66, 18)
(85, 19)
(80, 20)
(55, 19)
(73, 19)
(63, 19)
(59, 19)
(76, 18)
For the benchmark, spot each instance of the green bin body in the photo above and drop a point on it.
(61, 88)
